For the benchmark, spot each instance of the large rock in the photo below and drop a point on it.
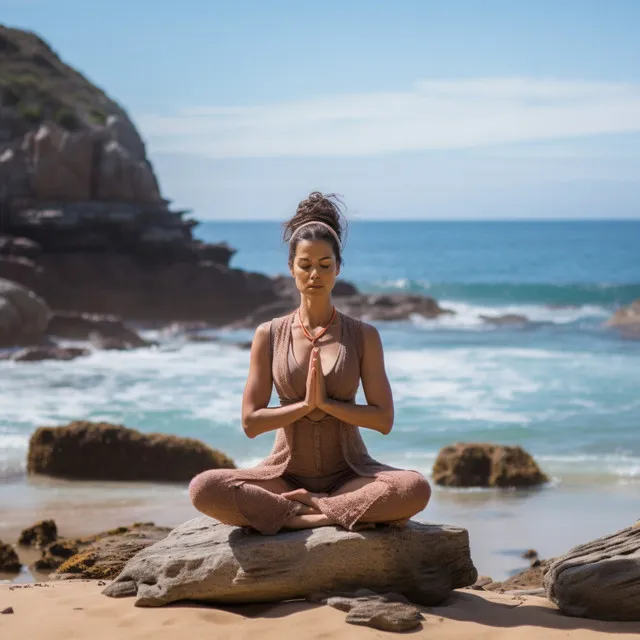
(102, 451)
(207, 561)
(80, 326)
(23, 315)
(486, 465)
(627, 320)
(599, 579)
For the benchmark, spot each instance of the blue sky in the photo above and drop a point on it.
(409, 109)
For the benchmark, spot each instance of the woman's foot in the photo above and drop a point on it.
(308, 521)
(303, 496)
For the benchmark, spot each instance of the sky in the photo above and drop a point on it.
(412, 109)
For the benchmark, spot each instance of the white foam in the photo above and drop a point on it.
(467, 316)
(619, 465)
(403, 284)
(466, 384)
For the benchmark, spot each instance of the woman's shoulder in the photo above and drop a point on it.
(360, 325)
(275, 325)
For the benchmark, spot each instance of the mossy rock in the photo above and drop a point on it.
(40, 534)
(107, 554)
(103, 451)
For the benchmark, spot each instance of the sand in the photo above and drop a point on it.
(76, 610)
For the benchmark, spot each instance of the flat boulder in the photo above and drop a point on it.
(486, 465)
(23, 315)
(103, 451)
(599, 579)
(384, 611)
(203, 560)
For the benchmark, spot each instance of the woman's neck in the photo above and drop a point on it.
(316, 312)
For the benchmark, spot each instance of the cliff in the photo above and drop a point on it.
(82, 219)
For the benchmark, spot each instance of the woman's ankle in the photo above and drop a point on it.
(308, 521)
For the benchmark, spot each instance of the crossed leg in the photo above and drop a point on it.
(269, 505)
(261, 504)
(360, 501)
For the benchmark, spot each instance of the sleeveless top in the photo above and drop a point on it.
(342, 384)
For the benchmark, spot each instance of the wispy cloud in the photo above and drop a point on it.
(432, 114)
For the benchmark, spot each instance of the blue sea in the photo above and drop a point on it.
(562, 385)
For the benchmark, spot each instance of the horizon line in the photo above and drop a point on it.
(369, 220)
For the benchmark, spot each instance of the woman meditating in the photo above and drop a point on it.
(319, 472)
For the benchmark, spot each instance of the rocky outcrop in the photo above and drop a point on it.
(100, 555)
(486, 465)
(46, 352)
(627, 320)
(23, 315)
(397, 306)
(82, 221)
(379, 307)
(599, 579)
(81, 326)
(9, 562)
(203, 560)
(104, 556)
(102, 451)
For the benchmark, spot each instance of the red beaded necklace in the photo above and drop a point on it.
(319, 335)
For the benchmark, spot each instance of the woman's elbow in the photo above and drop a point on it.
(387, 423)
(248, 427)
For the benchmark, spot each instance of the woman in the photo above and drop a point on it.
(319, 472)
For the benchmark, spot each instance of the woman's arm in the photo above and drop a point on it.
(378, 413)
(257, 416)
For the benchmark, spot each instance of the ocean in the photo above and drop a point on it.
(562, 385)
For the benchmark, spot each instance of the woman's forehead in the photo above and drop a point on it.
(314, 249)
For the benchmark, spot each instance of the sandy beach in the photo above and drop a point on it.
(77, 610)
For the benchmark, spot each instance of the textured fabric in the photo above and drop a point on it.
(325, 456)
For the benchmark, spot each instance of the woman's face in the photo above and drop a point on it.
(314, 267)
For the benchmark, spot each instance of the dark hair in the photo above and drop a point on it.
(317, 207)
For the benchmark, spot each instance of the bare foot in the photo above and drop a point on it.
(308, 521)
(303, 496)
